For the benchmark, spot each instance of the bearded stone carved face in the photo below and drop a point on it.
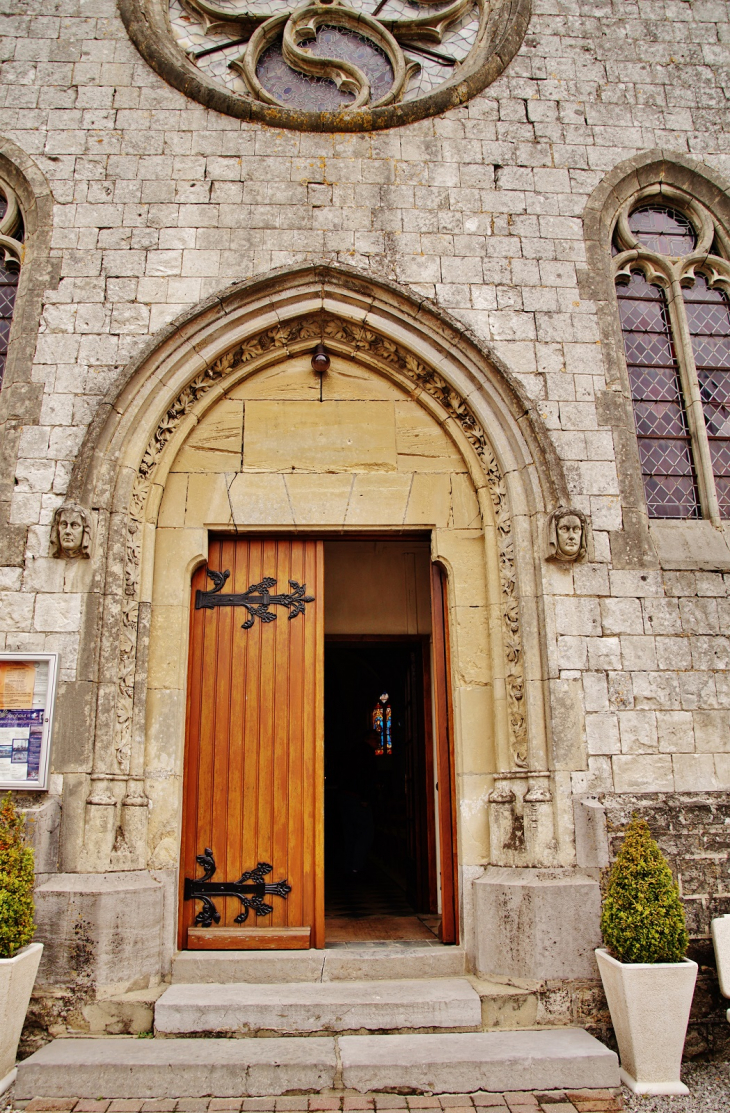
(567, 539)
(71, 532)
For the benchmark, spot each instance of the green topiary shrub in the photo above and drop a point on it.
(16, 882)
(643, 918)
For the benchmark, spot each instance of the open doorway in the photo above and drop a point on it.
(261, 728)
(382, 860)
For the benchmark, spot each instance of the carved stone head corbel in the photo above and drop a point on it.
(567, 535)
(71, 532)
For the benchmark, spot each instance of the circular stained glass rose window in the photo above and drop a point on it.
(329, 65)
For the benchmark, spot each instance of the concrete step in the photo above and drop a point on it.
(299, 1007)
(378, 961)
(555, 1059)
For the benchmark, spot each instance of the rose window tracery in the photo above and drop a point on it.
(334, 65)
(329, 54)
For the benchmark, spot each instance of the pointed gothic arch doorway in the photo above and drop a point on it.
(334, 830)
(265, 455)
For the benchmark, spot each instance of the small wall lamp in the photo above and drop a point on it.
(320, 360)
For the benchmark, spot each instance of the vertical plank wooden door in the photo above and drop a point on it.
(254, 772)
(445, 771)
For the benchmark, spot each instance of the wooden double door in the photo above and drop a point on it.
(252, 862)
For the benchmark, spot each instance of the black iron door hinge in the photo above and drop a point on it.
(256, 600)
(250, 889)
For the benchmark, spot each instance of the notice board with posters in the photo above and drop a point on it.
(27, 690)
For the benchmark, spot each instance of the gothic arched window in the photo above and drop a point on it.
(11, 256)
(672, 282)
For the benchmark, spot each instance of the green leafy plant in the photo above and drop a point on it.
(643, 918)
(16, 882)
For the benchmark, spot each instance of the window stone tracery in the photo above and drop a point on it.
(330, 65)
(670, 258)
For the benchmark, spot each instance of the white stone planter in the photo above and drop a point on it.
(721, 941)
(17, 976)
(650, 1004)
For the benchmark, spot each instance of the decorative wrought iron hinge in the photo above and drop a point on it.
(257, 599)
(204, 889)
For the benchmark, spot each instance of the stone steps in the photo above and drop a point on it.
(503, 1005)
(551, 1059)
(331, 964)
(296, 1008)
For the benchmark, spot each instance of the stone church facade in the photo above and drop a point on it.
(182, 249)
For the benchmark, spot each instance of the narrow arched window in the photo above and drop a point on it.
(671, 285)
(665, 447)
(708, 317)
(11, 256)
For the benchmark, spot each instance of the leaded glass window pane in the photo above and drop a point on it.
(665, 450)
(663, 230)
(708, 316)
(9, 276)
(8, 290)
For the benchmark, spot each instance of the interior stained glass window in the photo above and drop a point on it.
(382, 725)
(663, 230)
(665, 449)
(708, 316)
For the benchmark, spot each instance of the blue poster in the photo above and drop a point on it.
(21, 737)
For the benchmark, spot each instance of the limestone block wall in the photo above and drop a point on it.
(652, 650)
(158, 203)
(152, 203)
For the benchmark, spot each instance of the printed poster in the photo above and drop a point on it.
(23, 693)
(17, 681)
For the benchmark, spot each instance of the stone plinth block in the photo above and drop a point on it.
(100, 930)
(42, 826)
(591, 837)
(534, 923)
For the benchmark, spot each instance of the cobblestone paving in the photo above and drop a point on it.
(709, 1085)
(553, 1101)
